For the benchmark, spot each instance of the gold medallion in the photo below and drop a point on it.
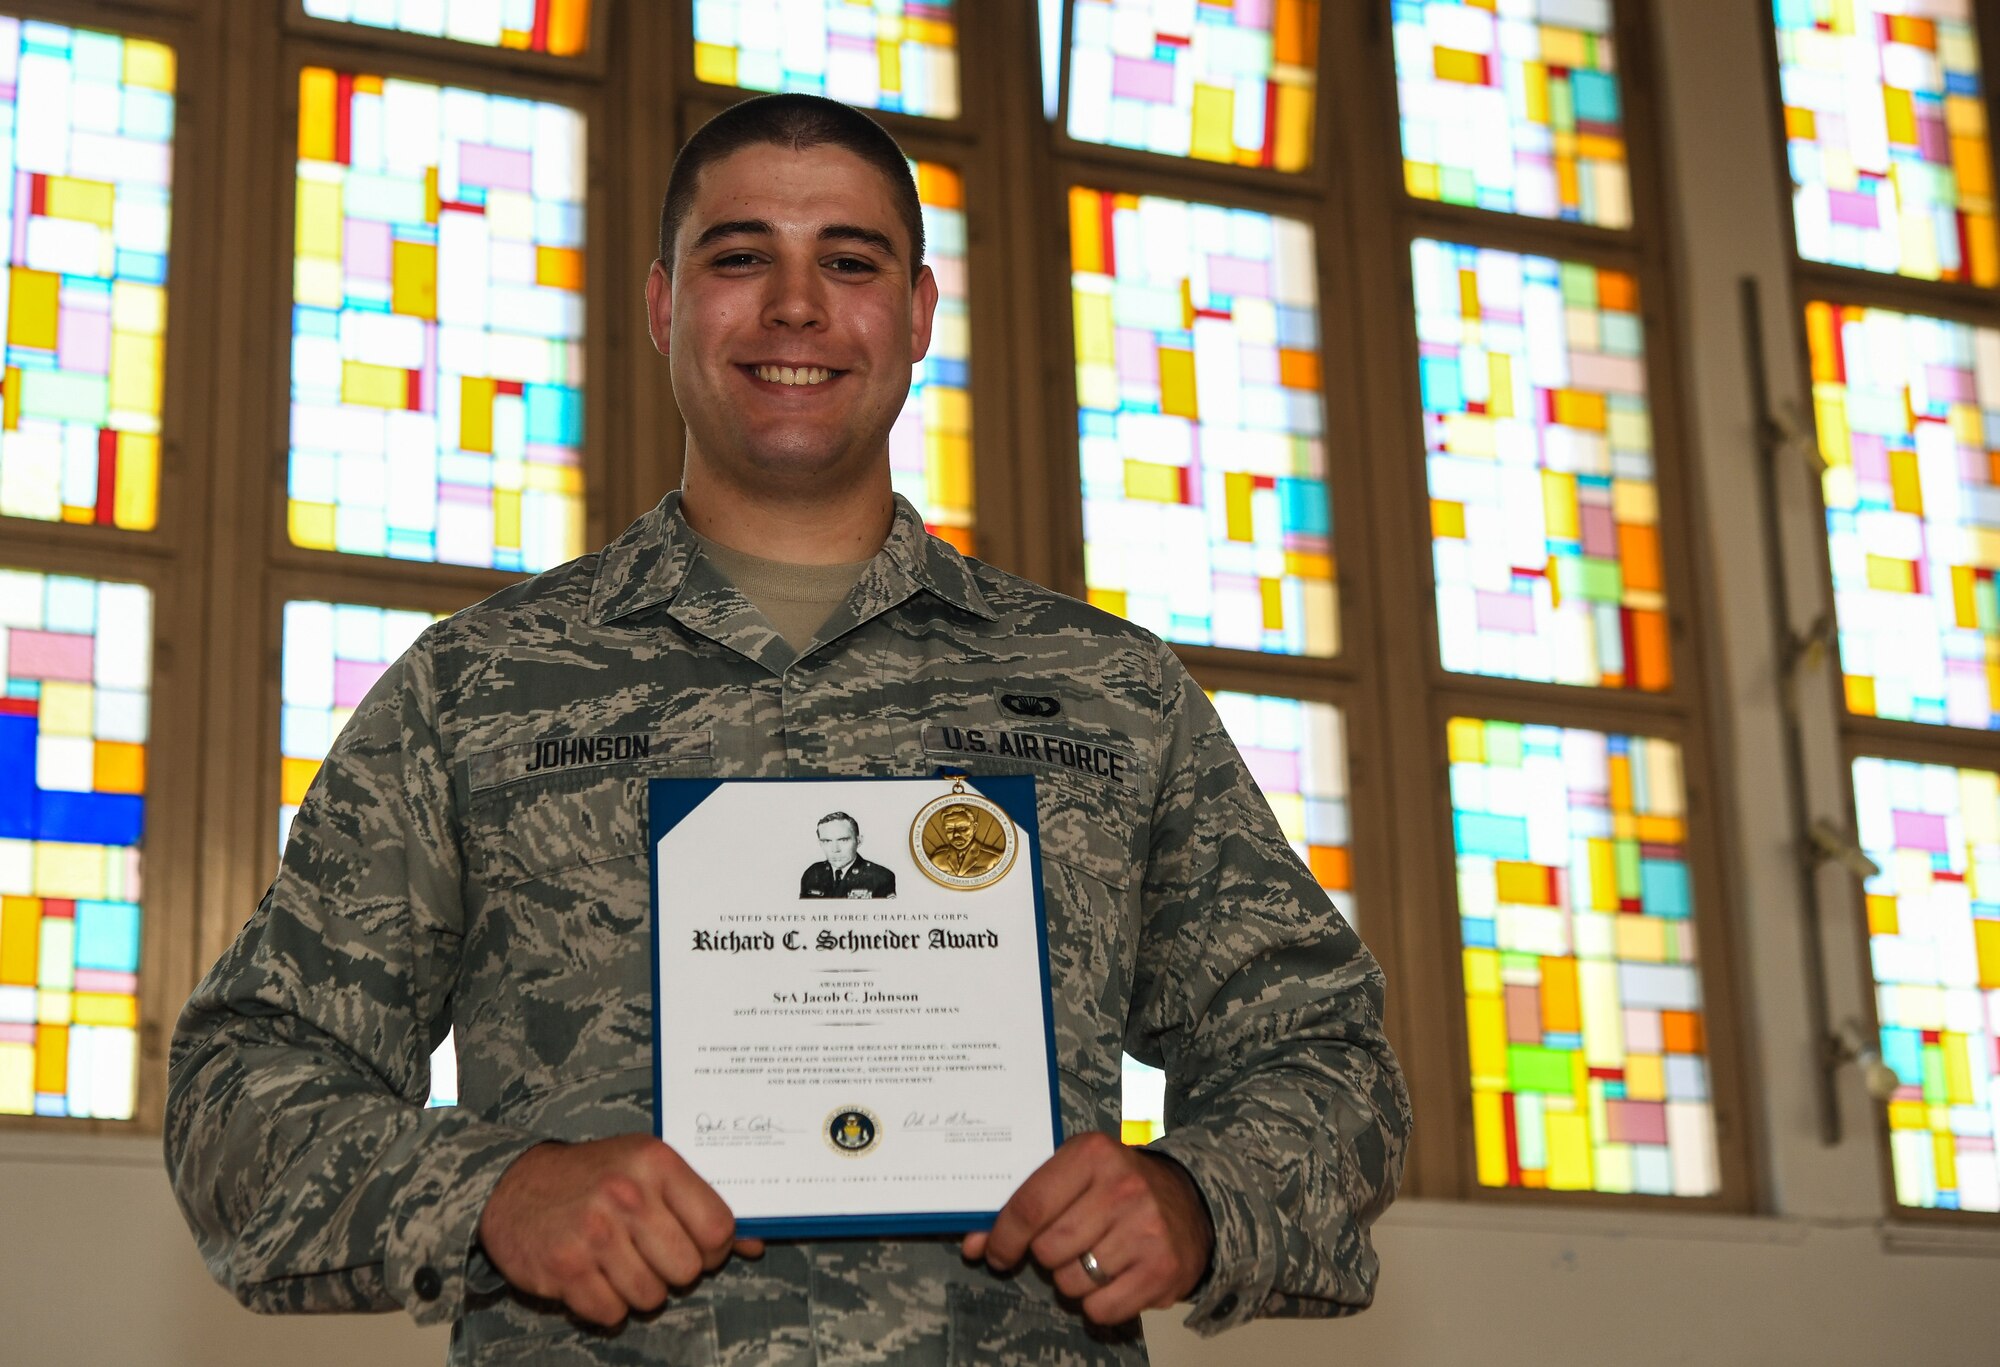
(963, 841)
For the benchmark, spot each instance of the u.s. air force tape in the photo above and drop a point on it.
(1078, 754)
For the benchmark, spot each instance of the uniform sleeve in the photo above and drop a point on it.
(296, 1134)
(1284, 1102)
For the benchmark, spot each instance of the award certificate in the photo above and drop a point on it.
(851, 1021)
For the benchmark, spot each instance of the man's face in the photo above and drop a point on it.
(791, 317)
(837, 841)
(957, 829)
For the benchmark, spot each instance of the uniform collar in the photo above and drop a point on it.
(658, 560)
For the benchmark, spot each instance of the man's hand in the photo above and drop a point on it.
(1138, 1213)
(608, 1226)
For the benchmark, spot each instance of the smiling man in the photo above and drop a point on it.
(782, 615)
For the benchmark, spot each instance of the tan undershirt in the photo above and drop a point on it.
(796, 599)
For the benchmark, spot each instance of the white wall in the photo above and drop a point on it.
(95, 1266)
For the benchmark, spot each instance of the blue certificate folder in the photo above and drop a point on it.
(672, 800)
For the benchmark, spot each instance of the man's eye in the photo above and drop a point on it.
(851, 265)
(736, 259)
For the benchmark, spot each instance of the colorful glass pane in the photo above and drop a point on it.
(930, 447)
(1934, 937)
(1582, 995)
(332, 655)
(1205, 511)
(437, 324)
(899, 55)
(1214, 82)
(1297, 752)
(1906, 408)
(1885, 128)
(76, 660)
(86, 162)
(1545, 534)
(559, 27)
(1514, 107)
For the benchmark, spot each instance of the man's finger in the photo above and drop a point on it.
(631, 1278)
(1080, 1229)
(973, 1246)
(667, 1249)
(706, 1217)
(1046, 1194)
(592, 1298)
(749, 1248)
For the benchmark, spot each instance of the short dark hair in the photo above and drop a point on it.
(852, 824)
(798, 122)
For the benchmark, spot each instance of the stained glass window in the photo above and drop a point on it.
(899, 55)
(1934, 937)
(1545, 535)
(76, 659)
(930, 447)
(1216, 82)
(333, 653)
(1906, 406)
(1583, 999)
(1514, 107)
(1205, 513)
(1885, 127)
(560, 27)
(437, 324)
(86, 159)
(1297, 752)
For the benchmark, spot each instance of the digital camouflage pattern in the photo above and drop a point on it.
(472, 856)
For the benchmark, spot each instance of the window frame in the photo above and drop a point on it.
(1852, 735)
(1017, 166)
(1434, 1040)
(166, 560)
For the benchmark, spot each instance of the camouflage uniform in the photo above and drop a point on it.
(453, 868)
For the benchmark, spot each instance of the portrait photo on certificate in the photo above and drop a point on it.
(851, 1017)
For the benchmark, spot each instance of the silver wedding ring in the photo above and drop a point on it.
(1093, 1269)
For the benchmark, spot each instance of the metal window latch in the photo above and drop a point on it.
(1811, 647)
(1832, 845)
(1852, 1044)
(1790, 431)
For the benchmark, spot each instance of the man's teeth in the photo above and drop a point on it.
(785, 374)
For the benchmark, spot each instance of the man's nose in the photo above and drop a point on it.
(796, 295)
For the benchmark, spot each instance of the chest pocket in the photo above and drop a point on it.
(1087, 790)
(1089, 825)
(555, 1026)
(525, 823)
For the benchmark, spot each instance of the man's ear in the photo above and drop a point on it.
(660, 305)
(923, 308)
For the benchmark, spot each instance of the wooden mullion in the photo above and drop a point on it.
(1389, 739)
(645, 437)
(249, 87)
(1007, 411)
(1518, 232)
(1967, 304)
(1696, 611)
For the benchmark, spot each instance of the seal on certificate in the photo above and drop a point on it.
(851, 1130)
(963, 841)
